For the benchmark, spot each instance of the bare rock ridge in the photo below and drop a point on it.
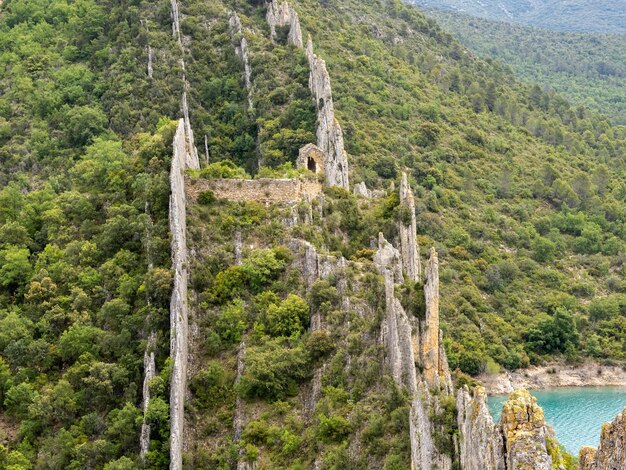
(408, 232)
(430, 327)
(522, 440)
(611, 454)
(525, 433)
(242, 52)
(149, 368)
(178, 304)
(329, 133)
(481, 445)
(280, 15)
(402, 338)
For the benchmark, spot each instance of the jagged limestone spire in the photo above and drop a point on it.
(430, 327)
(407, 229)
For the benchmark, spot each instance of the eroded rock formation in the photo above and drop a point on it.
(430, 327)
(402, 342)
(525, 433)
(178, 304)
(149, 368)
(280, 15)
(481, 446)
(242, 52)
(329, 133)
(408, 233)
(611, 454)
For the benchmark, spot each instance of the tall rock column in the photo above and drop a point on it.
(329, 133)
(407, 229)
(242, 52)
(611, 454)
(525, 433)
(279, 15)
(429, 343)
(481, 445)
(179, 329)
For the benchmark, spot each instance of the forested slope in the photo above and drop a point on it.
(585, 68)
(599, 16)
(521, 193)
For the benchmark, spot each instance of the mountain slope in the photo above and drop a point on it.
(587, 69)
(522, 195)
(604, 16)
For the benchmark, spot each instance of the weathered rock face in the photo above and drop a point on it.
(329, 133)
(525, 432)
(407, 229)
(279, 15)
(149, 368)
(178, 305)
(611, 454)
(402, 343)
(481, 445)
(429, 351)
(242, 52)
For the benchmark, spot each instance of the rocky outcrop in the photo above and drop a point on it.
(329, 133)
(481, 445)
(611, 454)
(149, 368)
(525, 433)
(280, 15)
(402, 343)
(408, 232)
(178, 305)
(429, 351)
(241, 50)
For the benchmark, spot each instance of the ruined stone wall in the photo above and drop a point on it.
(262, 190)
(611, 454)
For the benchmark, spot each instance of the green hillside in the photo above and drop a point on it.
(522, 194)
(587, 69)
(598, 16)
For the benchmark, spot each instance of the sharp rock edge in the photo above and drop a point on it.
(611, 454)
(236, 29)
(178, 304)
(407, 229)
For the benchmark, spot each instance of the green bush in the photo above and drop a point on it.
(273, 371)
(290, 318)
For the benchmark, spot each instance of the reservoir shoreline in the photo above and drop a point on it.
(554, 375)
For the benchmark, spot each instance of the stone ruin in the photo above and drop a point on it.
(311, 157)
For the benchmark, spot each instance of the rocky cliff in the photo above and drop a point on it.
(481, 444)
(611, 454)
(329, 133)
(521, 441)
(407, 230)
(178, 305)
(241, 50)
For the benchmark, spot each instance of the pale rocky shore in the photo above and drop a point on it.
(554, 375)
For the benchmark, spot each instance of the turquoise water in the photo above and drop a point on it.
(576, 413)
